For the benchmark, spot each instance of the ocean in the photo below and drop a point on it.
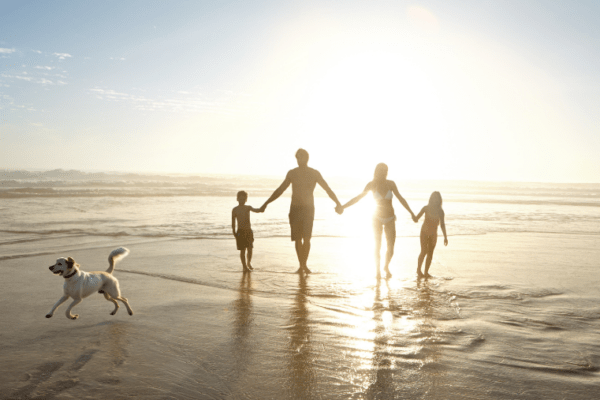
(511, 311)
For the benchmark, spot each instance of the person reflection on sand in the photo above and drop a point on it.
(301, 374)
(242, 350)
(434, 377)
(383, 386)
(302, 209)
(404, 362)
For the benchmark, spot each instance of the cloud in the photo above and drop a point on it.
(6, 51)
(42, 81)
(62, 56)
(192, 103)
(44, 67)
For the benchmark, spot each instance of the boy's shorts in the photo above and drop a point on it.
(244, 239)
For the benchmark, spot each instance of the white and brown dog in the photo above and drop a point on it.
(80, 284)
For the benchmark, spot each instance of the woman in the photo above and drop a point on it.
(384, 218)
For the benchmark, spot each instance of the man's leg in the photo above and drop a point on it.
(302, 251)
(299, 253)
(305, 253)
(307, 227)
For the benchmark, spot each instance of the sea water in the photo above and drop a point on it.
(511, 311)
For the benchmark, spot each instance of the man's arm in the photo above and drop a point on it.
(401, 199)
(325, 186)
(278, 192)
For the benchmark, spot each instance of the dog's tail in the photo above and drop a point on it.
(115, 256)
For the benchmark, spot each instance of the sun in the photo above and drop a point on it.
(374, 104)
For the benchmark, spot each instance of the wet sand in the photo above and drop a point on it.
(203, 330)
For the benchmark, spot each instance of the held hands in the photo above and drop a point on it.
(339, 209)
(263, 208)
(414, 218)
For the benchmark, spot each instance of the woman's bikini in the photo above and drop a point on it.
(385, 211)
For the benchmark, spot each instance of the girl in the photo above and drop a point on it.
(434, 216)
(384, 218)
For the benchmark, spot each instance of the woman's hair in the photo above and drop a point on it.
(435, 200)
(381, 171)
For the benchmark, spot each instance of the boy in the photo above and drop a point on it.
(244, 236)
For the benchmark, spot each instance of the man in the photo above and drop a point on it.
(302, 209)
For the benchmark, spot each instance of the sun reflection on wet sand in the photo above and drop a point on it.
(300, 353)
(389, 336)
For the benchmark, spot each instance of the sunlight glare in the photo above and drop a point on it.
(377, 103)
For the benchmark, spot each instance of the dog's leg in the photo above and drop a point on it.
(124, 300)
(107, 297)
(73, 304)
(58, 303)
(113, 290)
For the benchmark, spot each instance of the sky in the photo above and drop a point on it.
(470, 90)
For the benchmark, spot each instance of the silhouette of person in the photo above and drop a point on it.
(244, 236)
(302, 208)
(384, 218)
(434, 217)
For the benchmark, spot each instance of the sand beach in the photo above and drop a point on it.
(484, 327)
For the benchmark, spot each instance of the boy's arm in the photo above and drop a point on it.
(256, 210)
(278, 192)
(233, 221)
(401, 199)
(443, 226)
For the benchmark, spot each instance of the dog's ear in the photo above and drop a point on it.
(70, 262)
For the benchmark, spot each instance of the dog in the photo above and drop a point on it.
(80, 284)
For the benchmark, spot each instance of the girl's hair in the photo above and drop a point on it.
(381, 171)
(435, 200)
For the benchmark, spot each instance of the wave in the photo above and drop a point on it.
(531, 365)
(162, 191)
(499, 292)
(61, 183)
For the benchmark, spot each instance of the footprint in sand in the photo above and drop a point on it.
(44, 372)
(41, 374)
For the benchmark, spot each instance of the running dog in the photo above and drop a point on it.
(80, 284)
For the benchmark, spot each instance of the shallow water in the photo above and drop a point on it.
(511, 312)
